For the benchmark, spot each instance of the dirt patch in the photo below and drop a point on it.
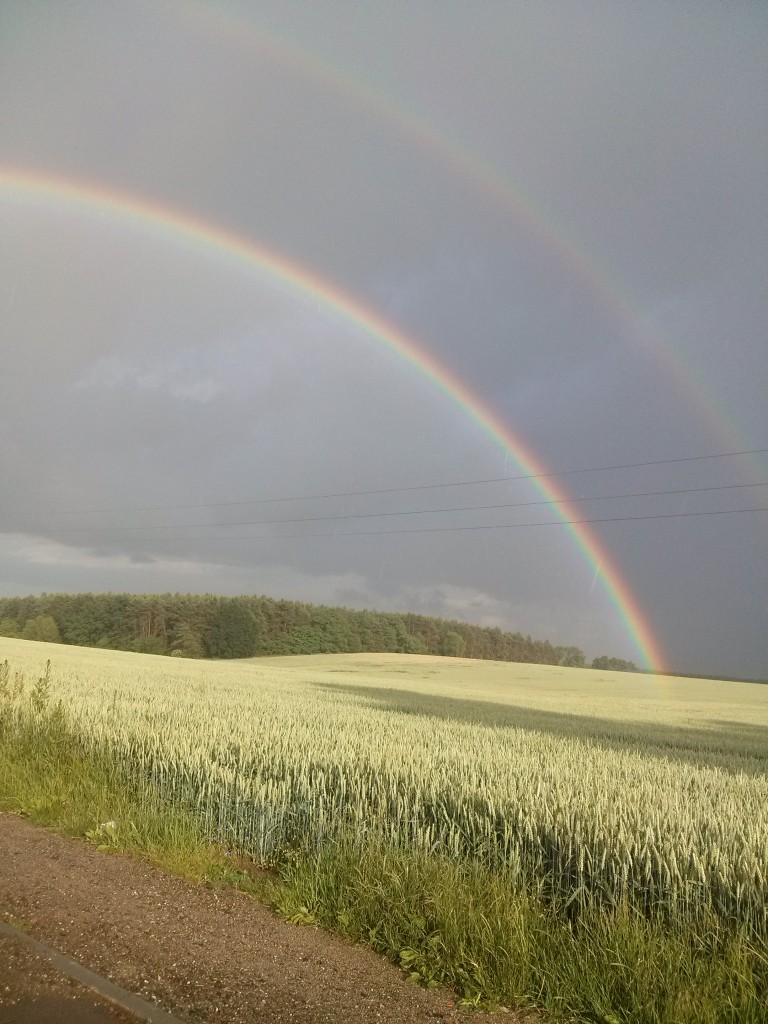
(205, 955)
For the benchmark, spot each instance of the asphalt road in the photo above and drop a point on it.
(40, 986)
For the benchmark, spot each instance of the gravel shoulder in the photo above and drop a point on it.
(203, 954)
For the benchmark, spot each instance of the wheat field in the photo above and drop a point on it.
(593, 788)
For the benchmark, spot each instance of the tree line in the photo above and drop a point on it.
(210, 626)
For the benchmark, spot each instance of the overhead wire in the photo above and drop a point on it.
(409, 512)
(454, 529)
(410, 487)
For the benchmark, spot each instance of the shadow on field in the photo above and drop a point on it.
(732, 746)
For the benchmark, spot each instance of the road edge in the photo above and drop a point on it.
(120, 997)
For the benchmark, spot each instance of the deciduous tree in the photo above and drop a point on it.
(42, 627)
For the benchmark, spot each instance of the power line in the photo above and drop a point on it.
(455, 529)
(408, 512)
(413, 487)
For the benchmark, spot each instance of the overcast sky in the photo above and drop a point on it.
(564, 205)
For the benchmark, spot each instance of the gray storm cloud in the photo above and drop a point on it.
(446, 167)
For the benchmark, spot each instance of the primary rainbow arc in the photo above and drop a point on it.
(22, 185)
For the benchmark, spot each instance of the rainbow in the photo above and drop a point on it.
(612, 295)
(22, 186)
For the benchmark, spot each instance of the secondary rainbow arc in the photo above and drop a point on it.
(512, 196)
(23, 185)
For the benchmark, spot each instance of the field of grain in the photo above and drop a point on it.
(590, 788)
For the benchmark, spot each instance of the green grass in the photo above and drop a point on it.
(465, 926)
(48, 777)
(499, 937)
